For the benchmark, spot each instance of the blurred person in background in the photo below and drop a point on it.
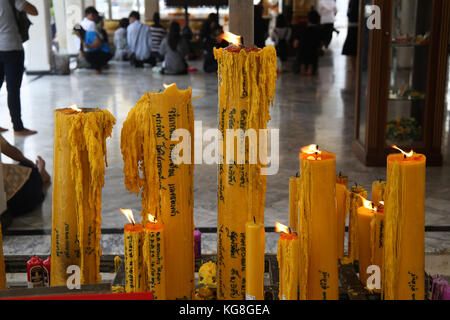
(120, 41)
(139, 40)
(327, 11)
(158, 33)
(281, 36)
(308, 44)
(12, 59)
(96, 51)
(174, 49)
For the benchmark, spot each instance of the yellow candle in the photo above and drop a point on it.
(355, 203)
(294, 183)
(342, 179)
(134, 264)
(343, 205)
(318, 232)
(288, 265)
(166, 188)
(247, 81)
(370, 238)
(2, 263)
(404, 261)
(78, 177)
(254, 261)
(378, 189)
(154, 259)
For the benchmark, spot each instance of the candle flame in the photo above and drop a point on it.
(151, 218)
(129, 214)
(313, 150)
(408, 155)
(166, 85)
(279, 227)
(368, 204)
(75, 108)
(231, 38)
(382, 203)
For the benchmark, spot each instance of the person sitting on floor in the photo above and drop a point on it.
(174, 49)
(158, 33)
(25, 183)
(96, 51)
(120, 41)
(139, 40)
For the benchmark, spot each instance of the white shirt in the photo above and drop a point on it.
(139, 40)
(327, 11)
(10, 39)
(88, 25)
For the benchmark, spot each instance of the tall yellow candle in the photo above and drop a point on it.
(254, 260)
(317, 232)
(2, 263)
(78, 176)
(247, 79)
(165, 183)
(378, 189)
(294, 183)
(342, 205)
(404, 252)
(355, 203)
(154, 259)
(288, 265)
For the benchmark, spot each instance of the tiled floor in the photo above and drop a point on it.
(306, 110)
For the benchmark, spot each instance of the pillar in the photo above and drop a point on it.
(89, 3)
(67, 14)
(151, 6)
(242, 19)
(38, 47)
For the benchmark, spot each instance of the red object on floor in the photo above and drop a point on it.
(105, 296)
(191, 69)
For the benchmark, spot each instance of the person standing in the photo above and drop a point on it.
(12, 59)
(158, 33)
(350, 48)
(139, 40)
(327, 11)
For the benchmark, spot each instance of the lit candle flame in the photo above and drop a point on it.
(129, 214)
(166, 85)
(74, 107)
(231, 38)
(407, 155)
(312, 149)
(382, 203)
(281, 228)
(151, 218)
(368, 204)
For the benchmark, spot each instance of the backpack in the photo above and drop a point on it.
(23, 23)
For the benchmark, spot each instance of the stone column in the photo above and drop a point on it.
(242, 19)
(151, 6)
(38, 47)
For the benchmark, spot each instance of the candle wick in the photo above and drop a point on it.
(404, 156)
(289, 230)
(254, 220)
(297, 174)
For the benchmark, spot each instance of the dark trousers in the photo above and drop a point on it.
(327, 33)
(98, 59)
(11, 70)
(30, 195)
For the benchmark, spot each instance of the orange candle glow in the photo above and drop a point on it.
(288, 263)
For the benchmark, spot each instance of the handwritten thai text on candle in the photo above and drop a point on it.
(235, 150)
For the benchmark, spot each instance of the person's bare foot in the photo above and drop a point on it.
(25, 132)
(40, 163)
(3, 129)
